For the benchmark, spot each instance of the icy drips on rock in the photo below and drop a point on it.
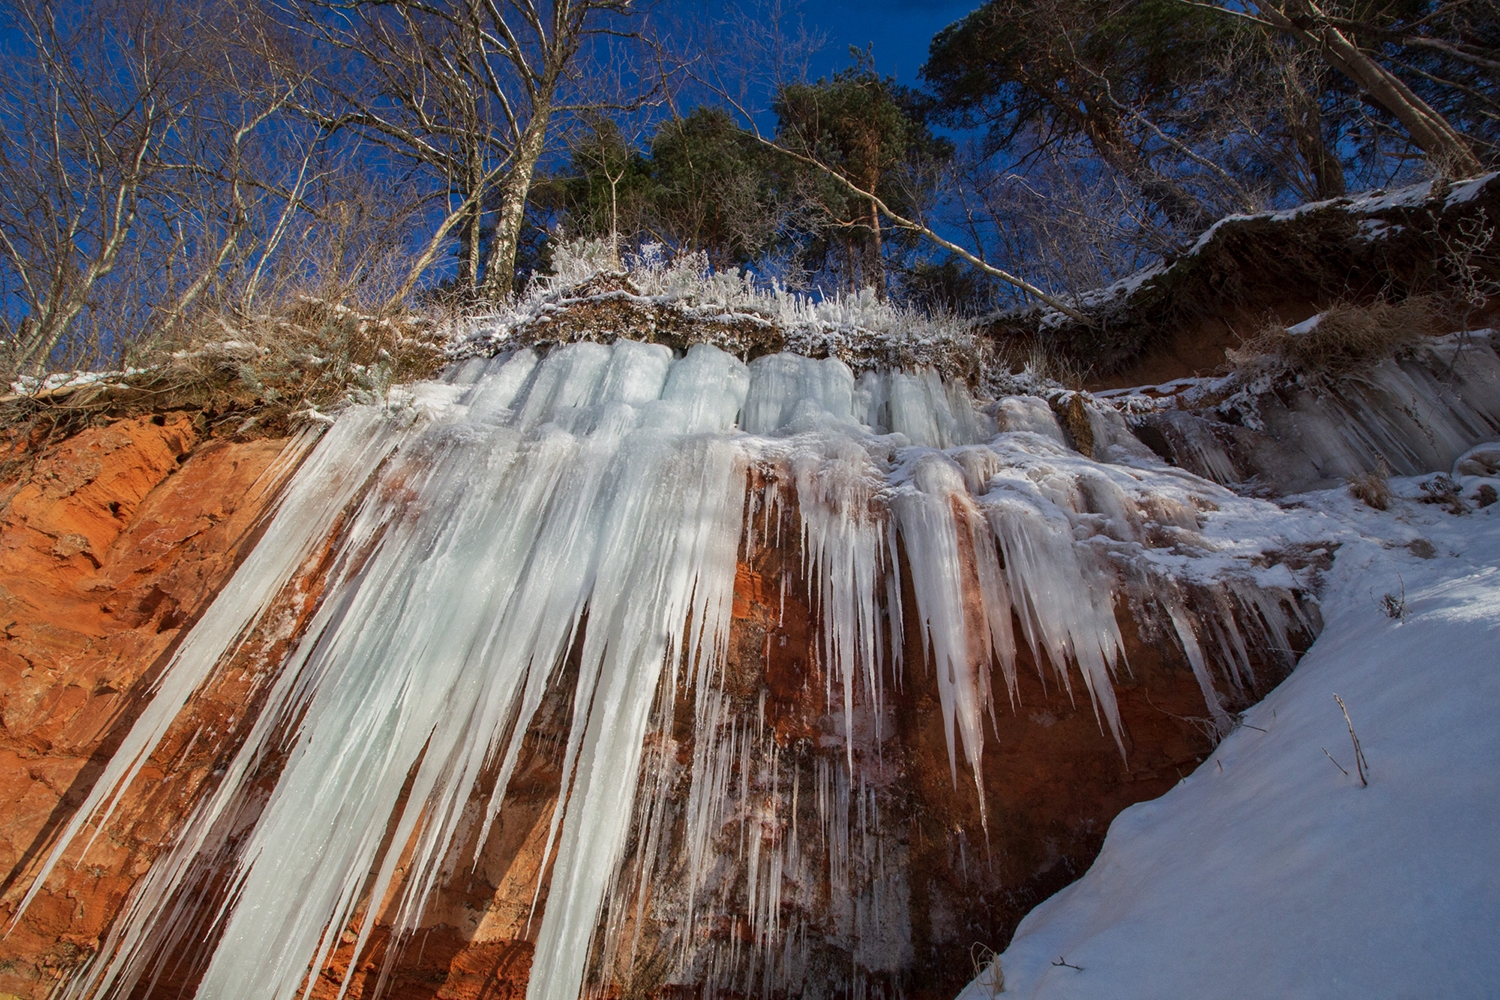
(1406, 415)
(590, 509)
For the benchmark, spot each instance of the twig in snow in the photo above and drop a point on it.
(1062, 962)
(1394, 605)
(1360, 764)
(1335, 763)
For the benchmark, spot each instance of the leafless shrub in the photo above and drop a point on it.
(1344, 340)
(1444, 489)
(1468, 260)
(1393, 604)
(1074, 228)
(1486, 496)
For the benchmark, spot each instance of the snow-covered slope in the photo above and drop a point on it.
(1271, 873)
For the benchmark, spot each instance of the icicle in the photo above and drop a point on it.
(842, 544)
(1188, 636)
(589, 508)
(927, 514)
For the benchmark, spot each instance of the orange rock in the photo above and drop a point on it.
(116, 540)
(121, 536)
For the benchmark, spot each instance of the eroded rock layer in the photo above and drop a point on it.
(111, 545)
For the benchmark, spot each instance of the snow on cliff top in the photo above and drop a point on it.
(1366, 203)
(1269, 873)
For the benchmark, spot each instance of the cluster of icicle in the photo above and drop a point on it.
(591, 506)
(1405, 415)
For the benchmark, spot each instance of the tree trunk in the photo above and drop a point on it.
(1430, 131)
(875, 255)
(470, 234)
(67, 302)
(1305, 121)
(874, 250)
(500, 270)
(469, 251)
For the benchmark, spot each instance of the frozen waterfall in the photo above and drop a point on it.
(571, 526)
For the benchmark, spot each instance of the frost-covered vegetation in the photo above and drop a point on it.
(680, 300)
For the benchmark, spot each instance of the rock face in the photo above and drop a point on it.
(852, 839)
(1051, 792)
(1405, 415)
(1176, 318)
(122, 534)
(108, 550)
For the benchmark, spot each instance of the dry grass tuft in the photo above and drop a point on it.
(260, 378)
(1445, 490)
(1373, 488)
(1345, 340)
(989, 976)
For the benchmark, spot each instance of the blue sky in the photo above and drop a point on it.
(900, 30)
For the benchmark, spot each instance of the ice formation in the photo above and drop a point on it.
(574, 523)
(1406, 415)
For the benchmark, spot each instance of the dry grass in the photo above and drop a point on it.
(1373, 488)
(1346, 340)
(989, 976)
(252, 379)
(1445, 490)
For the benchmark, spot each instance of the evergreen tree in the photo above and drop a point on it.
(715, 189)
(1112, 74)
(874, 133)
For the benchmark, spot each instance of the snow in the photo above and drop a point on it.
(1306, 326)
(1467, 190)
(1270, 873)
(1367, 203)
(1480, 460)
(39, 385)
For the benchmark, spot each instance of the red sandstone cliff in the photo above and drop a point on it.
(119, 536)
(109, 546)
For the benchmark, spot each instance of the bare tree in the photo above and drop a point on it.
(467, 92)
(157, 182)
(1334, 38)
(91, 98)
